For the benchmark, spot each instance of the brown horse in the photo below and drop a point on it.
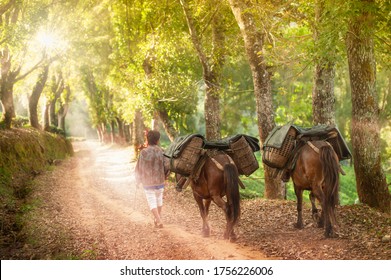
(317, 170)
(218, 178)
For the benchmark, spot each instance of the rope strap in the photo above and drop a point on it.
(218, 164)
(316, 149)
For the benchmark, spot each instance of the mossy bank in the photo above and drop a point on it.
(24, 153)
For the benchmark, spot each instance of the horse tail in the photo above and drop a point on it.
(231, 180)
(330, 170)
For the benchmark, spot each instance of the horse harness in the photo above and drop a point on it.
(295, 153)
(201, 162)
(221, 167)
(218, 164)
(316, 149)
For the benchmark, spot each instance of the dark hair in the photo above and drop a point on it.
(153, 137)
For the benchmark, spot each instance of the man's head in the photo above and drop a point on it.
(153, 137)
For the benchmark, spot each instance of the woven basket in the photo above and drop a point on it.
(186, 161)
(244, 157)
(277, 158)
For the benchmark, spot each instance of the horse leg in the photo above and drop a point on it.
(206, 228)
(315, 213)
(204, 209)
(333, 223)
(317, 193)
(224, 206)
(330, 220)
(299, 196)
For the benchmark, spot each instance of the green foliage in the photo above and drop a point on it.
(293, 99)
(348, 192)
(237, 88)
(385, 145)
(56, 130)
(20, 121)
(110, 43)
(254, 183)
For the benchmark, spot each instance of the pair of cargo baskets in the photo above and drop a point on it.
(187, 152)
(282, 140)
(277, 149)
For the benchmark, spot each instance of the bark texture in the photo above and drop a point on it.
(371, 182)
(35, 95)
(323, 98)
(138, 131)
(211, 68)
(8, 79)
(254, 41)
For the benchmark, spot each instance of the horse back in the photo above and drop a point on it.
(308, 170)
(211, 179)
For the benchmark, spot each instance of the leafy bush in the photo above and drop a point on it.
(20, 121)
(56, 130)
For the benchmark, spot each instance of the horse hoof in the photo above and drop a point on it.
(331, 235)
(233, 238)
(299, 226)
(205, 233)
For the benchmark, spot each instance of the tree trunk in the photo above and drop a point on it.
(120, 125)
(323, 98)
(131, 133)
(211, 70)
(168, 127)
(100, 133)
(46, 123)
(138, 132)
(112, 131)
(8, 78)
(52, 116)
(62, 112)
(63, 109)
(371, 182)
(160, 112)
(212, 109)
(253, 41)
(57, 89)
(35, 95)
(7, 103)
(155, 121)
(127, 133)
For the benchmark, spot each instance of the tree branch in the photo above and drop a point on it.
(193, 35)
(6, 7)
(21, 77)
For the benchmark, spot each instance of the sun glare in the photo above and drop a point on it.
(51, 42)
(47, 40)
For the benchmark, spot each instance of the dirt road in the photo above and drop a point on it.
(90, 208)
(107, 217)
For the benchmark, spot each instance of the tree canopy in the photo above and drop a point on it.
(161, 61)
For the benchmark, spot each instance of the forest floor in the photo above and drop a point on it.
(88, 207)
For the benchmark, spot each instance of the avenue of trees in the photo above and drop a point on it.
(216, 67)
